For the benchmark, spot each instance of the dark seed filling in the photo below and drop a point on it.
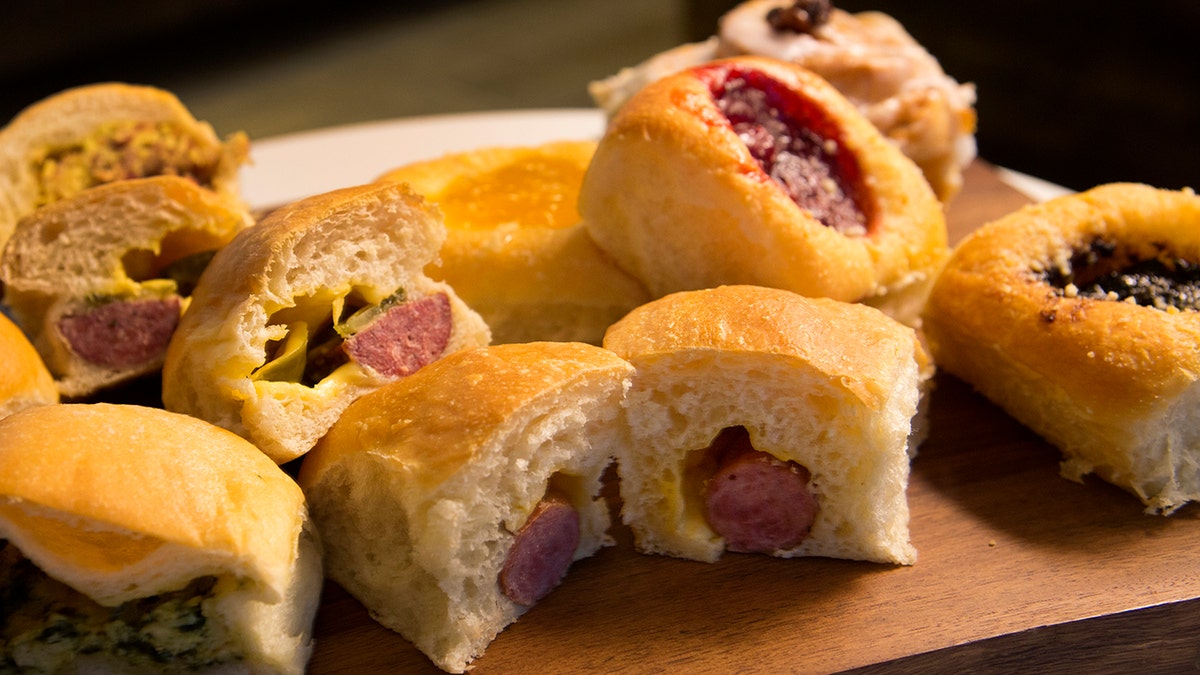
(802, 16)
(1104, 272)
(795, 146)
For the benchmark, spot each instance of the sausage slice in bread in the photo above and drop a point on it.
(451, 501)
(762, 421)
(322, 301)
(99, 279)
(134, 540)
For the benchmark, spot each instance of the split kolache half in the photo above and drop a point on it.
(100, 133)
(99, 279)
(451, 501)
(761, 421)
(24, 379)
(134, 540)
(322, 301)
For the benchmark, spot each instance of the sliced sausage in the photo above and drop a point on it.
(756, 502)
(542, 551)
(122, 333)
(407, 337)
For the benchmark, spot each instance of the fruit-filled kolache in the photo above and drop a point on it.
(134, 540)
(761, 421)
(515, 249)
(754, 171)
(100, 133)
(322, 301)
(868, 56)
(1080, 317)
(452, 500)
(99, 279)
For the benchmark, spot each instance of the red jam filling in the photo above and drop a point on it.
(795, 142)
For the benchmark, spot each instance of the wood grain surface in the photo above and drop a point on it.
(1019, 570)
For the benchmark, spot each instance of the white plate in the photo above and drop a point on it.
(288, 167)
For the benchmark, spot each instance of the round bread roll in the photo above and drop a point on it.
(451, 501)
(868, 56)
(515, 250)
(753, 171)
(99, 279)
(1080, 317)
(320, 302)
(99, 133)
(765, 422)
(24, 380)
(138, 538)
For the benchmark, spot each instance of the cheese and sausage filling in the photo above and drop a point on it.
(129, 149)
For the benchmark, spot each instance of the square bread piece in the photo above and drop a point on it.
(445, 500)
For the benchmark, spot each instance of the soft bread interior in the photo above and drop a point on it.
(833, 387)
(419, 535)
(856, 453)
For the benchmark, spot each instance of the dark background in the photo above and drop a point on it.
(1078, 93)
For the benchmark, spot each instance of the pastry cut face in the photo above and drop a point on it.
(322, 301)
(1079, 318)
(515, 249)
(99, 279)
(99, 133)
(452, 501)
(751, 171)
(765, 422)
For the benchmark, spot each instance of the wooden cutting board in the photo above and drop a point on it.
(1019, 570)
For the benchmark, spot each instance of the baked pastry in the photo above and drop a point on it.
(453, 500)
(1080, 317)
(320, 302)
(99, 279)
(868, 56)
(515, 250)
(761, 421)
(133, 540)
(99, 133)
(753, 171)
(24, 379)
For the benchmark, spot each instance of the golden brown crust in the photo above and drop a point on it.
(1087, 374)
(515, 250)
(443, 429)
(124, 501)
(367, 241)
(756, 320)
(71, 117)
(676, 197)
(24, 379)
